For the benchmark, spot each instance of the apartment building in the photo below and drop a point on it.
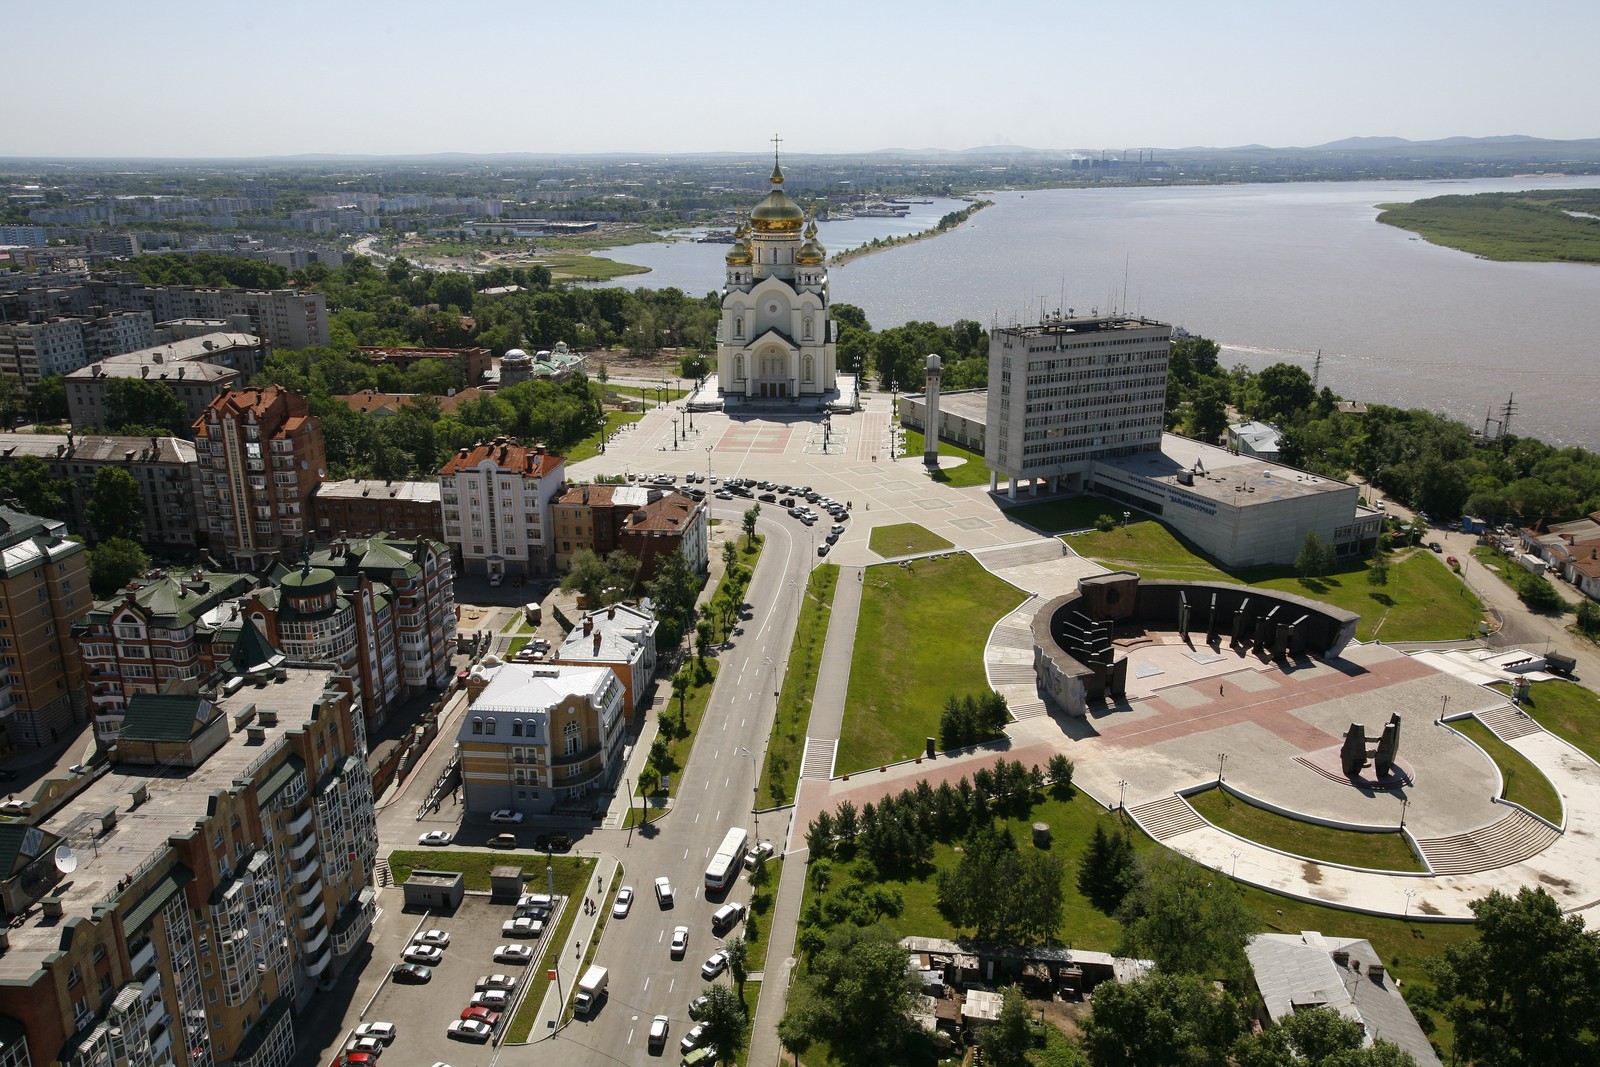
(196, 369)
(470, 364)
(44, 589)
(182, 904)
(1072, 390)
(261, 458)
(286, 317)
(164, 467)
(645, 522)
(539, 738)
(622, 637)
(497, 507)
(359, 506)
(41, 346)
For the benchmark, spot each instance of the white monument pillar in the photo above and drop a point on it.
(930, 432)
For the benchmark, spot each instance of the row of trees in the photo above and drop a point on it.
(972, 719)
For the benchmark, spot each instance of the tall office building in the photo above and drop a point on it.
(1071, 390)
(261, 459)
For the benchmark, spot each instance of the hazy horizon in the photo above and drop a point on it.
(178, 79)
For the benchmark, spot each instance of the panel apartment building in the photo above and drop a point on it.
(40, 346)
(1072, 390)
(261, 459)
(285, 317)
(181, 904)
(44, 589)
(196, 369)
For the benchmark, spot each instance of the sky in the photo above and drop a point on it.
(173, 78)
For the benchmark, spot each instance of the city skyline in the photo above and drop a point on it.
(392, 81)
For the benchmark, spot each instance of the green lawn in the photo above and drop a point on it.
(1567, 710)
(679, 746)
(1382, 852)
(787, 742)
(970, 473)
(919, 639)
(1524, 226)
(1422, 601)
(589, 268)
(1525, 784)
(1069, 513)
(906, 539)
(589, 447)
(761, 902)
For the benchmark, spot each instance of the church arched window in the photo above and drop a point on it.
(738, 326)
(808, 368)
(572, 739)
(807, 334)
(738, 368)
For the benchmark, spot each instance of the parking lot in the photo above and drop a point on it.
(422, 1012)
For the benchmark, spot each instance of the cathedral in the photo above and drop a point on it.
(776, 341)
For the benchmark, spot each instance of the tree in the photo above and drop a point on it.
(1315, 558)
(113, 564)
(1008, 1041)
(1060, 769)
(856, 997)
(1589, 616)
(1318, 1037)
(730, 556)
(1378, 569)
(738, 958)
(751, 514)
(675, 586)
(1208, 414)
(1523, 992)
(725, 1019)
(27, 480)
(601, 581)
(703, 637)
(141, 402)
(1186, 918)
(681, 684)
(116, 505)
(1107, 870)
(819, 838)
(48, 399)
(1004, 894)
(1161, 1020)
(1284, 391)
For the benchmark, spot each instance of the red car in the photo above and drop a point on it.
(1455, 564)
(488, 1016)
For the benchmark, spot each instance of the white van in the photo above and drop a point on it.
(726, 916)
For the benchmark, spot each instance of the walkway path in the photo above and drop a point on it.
(570, 959)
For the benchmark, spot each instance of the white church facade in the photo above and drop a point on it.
(776, 341)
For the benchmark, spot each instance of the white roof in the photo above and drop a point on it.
(524, 687)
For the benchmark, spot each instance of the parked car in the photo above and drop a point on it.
(411, 973)
(503, 841)
(1436, 546)
(760, 848)
(370, 1045)
(768, 498)
(485, 1015)
(680, 941)
(523, 927)
(692, 1039)
(556, 842)
(664, 892)
(505, 815)
(427, 954)
(469, 1030)
(385, 1032)
(496, 580)
(822, 549)
(435, 837)
(497, 981)
(432, 937)
(715, 965)
(697, 1006)
(513, 954)
(1452, 561)
(494, 999)
(619, 910)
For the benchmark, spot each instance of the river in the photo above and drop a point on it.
(1273, 272)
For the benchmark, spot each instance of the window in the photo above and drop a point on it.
(477, 726)
(572, 739)
(489, 726)
(516, 727)
(74, 976)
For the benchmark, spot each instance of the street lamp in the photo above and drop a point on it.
(755, 791)
(1222, 758)
(708, 463)
(674, 435)
(1126, 515)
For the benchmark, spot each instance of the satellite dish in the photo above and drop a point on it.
(66, 860)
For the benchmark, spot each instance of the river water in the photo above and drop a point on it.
(1273, 272)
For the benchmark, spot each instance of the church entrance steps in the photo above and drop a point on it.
(1509, 840)
(1508, 724)
(818, 759)
(1018, 555)
(1167, 817)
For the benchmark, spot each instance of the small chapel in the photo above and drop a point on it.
(776, 341)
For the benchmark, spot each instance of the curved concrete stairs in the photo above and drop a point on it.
(1167, 817)
(1508, 840)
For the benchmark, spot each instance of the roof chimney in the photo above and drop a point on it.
(597, 642)
(588, 625)
(611, 612)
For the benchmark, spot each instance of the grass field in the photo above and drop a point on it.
(589, 268)
(970, 473)
(590, 446)
(786, 744)
(1525, 784)
(1070, 513)
(906, 539)
(570, 871)
(1382, 852)
(1422, 601)
(761, 902)
(1567, 710)
(920, 639)
(679, 746)
(1525, 227)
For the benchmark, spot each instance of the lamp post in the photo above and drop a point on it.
(1122, 794)
(555, 962)
(1222, 759)
(755, 790)
(708, 463)
(1405, 802)
(1406, 912)
(1234, 854)
(674, 434)
(1126, 515)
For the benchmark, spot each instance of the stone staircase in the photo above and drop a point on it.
(1508, 723)
(1019, 555)
(382, 875)
(818, 759)
(1167, 817)
(1506, 841)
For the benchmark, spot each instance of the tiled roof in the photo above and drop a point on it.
(508, 456)
(176, 599)
(670, 513)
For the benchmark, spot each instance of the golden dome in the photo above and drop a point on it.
(811, 230)
(777, 214)
(811, 254)
(739, 254)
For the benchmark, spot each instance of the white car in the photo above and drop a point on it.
(435, 837)
(715, 965)
(513, 954)
(497, 981)
(505, 815)
(495, 580)
(370, 1045)
(619, 910)
(680, 941)
(385, 1032)
(432, 937)
(692, 1039)
(494, 999)
(426, 954)
(468, 1030)
(664, 892)
(658, 1031)
(523, 927)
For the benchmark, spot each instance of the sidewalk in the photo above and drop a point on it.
(569, 961)
(773, 1000)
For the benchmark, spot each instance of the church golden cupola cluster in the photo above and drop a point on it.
(776, 341)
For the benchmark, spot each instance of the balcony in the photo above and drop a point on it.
(309, 894)
(298, 852)
(298, 824)
(320, 964)
(316, 941)
(152, 988)
(559, 760)
(313, 918)
(143, 957)
(303, 875)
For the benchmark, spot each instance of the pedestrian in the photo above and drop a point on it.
(1219, 690)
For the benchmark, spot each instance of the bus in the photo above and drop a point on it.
(725, 864)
